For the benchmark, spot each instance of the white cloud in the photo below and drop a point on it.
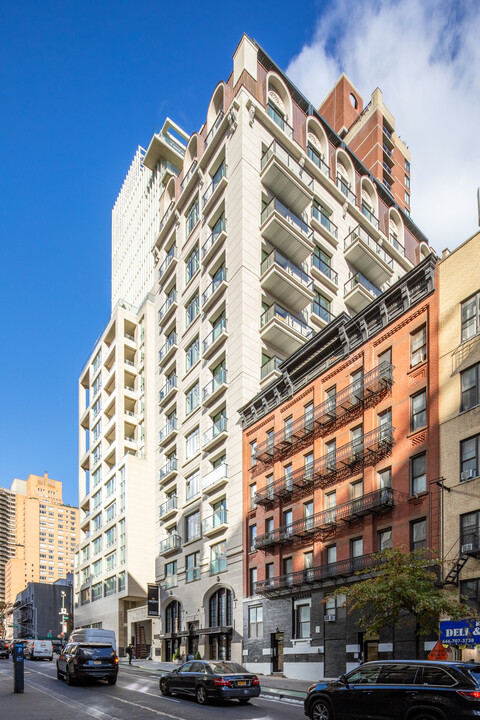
(425, 57)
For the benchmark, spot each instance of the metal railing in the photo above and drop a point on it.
(344, 188)
(366, 212)
(218, 329)
(192, 574)
(216, 520)
(276, 258)
(318, 160)
(212, 238)
(167, 429)
(189, 174)
(280, 121)
(168, 505)
(172, 542)
(270, 366)
(276, 150)
(277, 311)
(171, 341)
(170, 385)
(217, 381)
(221, 173)
(171, 255)
(396, 244)
(359, 233)
(171, 299)
(321, 216)
(324, 268)
(216, 475)
(359, 279)
(218, 565)
(166, 215)
(214, 127)
(276, 206)
(217, 429)
(220, 276)
(321, 311)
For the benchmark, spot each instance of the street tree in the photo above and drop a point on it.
(401, 585)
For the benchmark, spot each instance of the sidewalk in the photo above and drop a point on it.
(272, 685)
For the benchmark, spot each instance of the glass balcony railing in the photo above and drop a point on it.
(360, 234)
(217, 381)
(166, 215)
(298, 223)
(217, 519)
(167, 388)
(167, 429)
(171, 341)
(169, 467)
(321, 311)
(217, 429)
(218, 329)
(321, 216)
(170, 582)
(324, 268)
(221, 173)
(276, 258)
(214, 127)
(270, 366)
(278, 118)
(218, 565)
(344, 188)
(387, 151)
(216, 475)
(172, 542)
(318, 160)
(168, 505)
(171, 299)
(359, 279)
(171, 255)
(276, 150)
(396, 244)
(366, 212)
(216, 282)
(388, 188)
(188, 176)
(276, 311)
(212, 238)
(192, 574)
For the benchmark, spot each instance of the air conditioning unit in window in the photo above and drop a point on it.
(467, 474)
(468, 547)
(330, 618)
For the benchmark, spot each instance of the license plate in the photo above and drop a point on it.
(242, 682)
(97, 662)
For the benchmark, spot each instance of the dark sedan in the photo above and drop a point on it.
(213, 680)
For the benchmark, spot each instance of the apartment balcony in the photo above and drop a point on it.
(168, 350)
(214, 290)
(168, 471)
(213, 130)
(170, 582)
(218, 565)
(168, 391)
(170, 262)
(168, 508)
(168, 308)
(213, 480)
(215, 338)
(129, 340)
(359, 292)
(163, 146)
(321, 222)
(280, 328)
(323, 272)
(215, 434)
(315, 157)
(388, 151)
(129, 391)
(215, 189)
(325, 524)
(214, 240)
(187, 180)
(192, 574)
(396, 249)
(304, 580)
(388, 187)
(345, 189)
(368, 256)
(283, 279)
(286, 178)
(271, 369)
(286, 231)
(372, 219)
(168, 432)
(215, 523)
(320, 315)
(170, 545)
(280, 121)
(333, 410)
(215, 387)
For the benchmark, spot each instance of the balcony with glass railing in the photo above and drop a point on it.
(167, 432)
(324, 272)
(210, 295)
(368, 256)
(215, 523)
(367, 213)
(171, 544)
(188, 175)
(168, 508)
(170, 582)
(286, 231)
(271, 368)
(167, 308)
(168, 390)
(192, 574)
(344, 187)
(216, 433)
(168, 471)
(216, 237)
(359, 292)
(388, 187)
(286, 178)
(213, 130)
(279, 120)
(213, 191)
(218, 565)
(318, 160)
(168, 349)
(165, 222)
(284, 279)
(215, 478)
(281, 329)
(397, 250)
(321, 221)
(215, 387)
(168, 264)
(320, 314)
(215, 337)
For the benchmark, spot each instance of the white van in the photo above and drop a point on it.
(39, 649)
(94, 635)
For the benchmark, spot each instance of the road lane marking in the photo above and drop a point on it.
(145, 707)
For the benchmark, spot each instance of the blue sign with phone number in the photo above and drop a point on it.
(460, 632)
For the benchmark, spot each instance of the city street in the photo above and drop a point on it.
(136, 697)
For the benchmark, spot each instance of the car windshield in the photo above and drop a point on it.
(88, 651)
(227, 668)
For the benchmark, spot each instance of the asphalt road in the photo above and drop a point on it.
(134, 697)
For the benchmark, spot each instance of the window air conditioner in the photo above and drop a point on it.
(467, 474)
(468, 547)
(329, 618)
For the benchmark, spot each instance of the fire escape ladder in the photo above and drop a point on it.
(452, 575)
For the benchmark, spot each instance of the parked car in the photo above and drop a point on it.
(39, 649)
(213, 680)
(399, 689)
(4, 649)
(82, 661)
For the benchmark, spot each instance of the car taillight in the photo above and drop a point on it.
(115, 660)
(256, 681)
(470, 694)
(222, 682)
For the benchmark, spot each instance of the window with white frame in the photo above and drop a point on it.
(192, 485)
(255, 621)
(192, 398)
(192, 443)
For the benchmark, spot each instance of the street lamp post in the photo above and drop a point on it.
(63, 615)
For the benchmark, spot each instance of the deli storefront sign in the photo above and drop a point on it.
(460, 632)
(152, 600)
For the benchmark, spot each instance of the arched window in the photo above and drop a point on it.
(220, 608)
(395, 231)
(173, 617)
(279, 103)
(345, 176)
(369, 202)
(317, 145)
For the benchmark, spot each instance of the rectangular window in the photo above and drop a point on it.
(192, 526)
(331, 554)
(110, 537)
(469, 458)
(252, 537)
(470, 387)
(407, 197)
(192, 443)
(321, 306)
(418, 534)
(96, 591)
(269, 573)
(308, 515)
(288, 428)
(218, 557)
(253, 453)
(287, 521)
(356, 440)
(110, 512)
(407, 182)
(356, 547)
(109, 586)
(253, 492)
(287, 476)
(287, 570)
(302, 624)
(255, 621)
(192, 309)
(97, 522)
(418, 474)
(308, 565)
(192, 217)
(192, 398)
(121, 581)
(385, 539)
(384, 478)
(470, 312)
(191, 264)
(192, 354)
(253, 580)
(418, 410)
(470, 592)
(418, 346)
(192, 567)
(385, 424)
(192, 485)
(331, 455)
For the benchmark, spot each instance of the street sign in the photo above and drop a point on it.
(438, 652)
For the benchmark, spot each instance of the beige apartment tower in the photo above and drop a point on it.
(46, 535)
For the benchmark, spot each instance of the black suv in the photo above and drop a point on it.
(399, 690)
(82, 661)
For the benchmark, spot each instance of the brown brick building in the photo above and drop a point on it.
(341, 460)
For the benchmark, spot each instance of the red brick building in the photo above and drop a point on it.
(341, 460)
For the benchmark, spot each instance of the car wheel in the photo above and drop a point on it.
(164, 689)
(68, 677)
(112, 680)
(244, 701)
(321, 710)
(201, 695)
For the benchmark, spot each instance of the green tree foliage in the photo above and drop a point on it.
(401, 584)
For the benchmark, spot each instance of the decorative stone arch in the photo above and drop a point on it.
(191, 152)
(216, 105)
(217, 591)
(279, 96)
(172, 614)
(369, 195)
(423, 251)
(317, 138)
(395, 227)
(345, 169)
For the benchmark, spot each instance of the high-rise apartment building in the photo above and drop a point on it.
(46, 534)
(272, 228)
(7, 534)
(459, 372)
(370, 132)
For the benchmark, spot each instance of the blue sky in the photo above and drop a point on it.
(82, 84)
